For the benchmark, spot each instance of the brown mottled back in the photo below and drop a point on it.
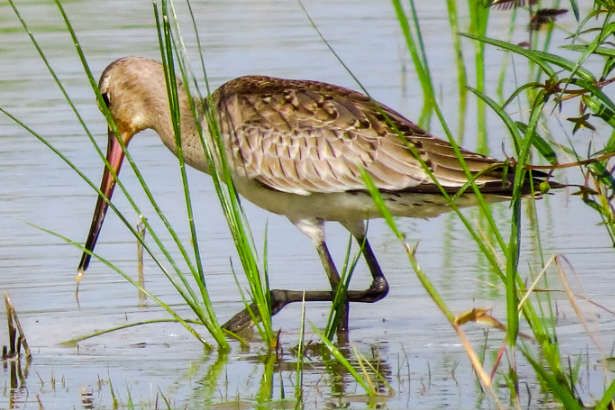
(308, 137)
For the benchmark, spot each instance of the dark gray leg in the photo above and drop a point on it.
(378, 289)
(335, 281)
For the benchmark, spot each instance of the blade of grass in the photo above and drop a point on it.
(339, 298)
(479, 18)
(214, 151)
(73, 342)
(512, 256)
(462, 80)
(415, 46)
(608, 398)
(128, 278)
(431, 291)
(560, 390)
(265, 389)
(300, 359)
(167, 55)
(541, 58)
(193, 301)
(499, 91)
(341, 359)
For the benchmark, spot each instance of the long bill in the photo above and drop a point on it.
(115, 156)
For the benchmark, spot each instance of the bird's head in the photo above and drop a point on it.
(134, 92)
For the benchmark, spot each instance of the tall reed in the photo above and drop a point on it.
(214, 150)
(479, 21)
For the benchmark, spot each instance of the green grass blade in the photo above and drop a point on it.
(506, 60)
(519, 90)
(341, 359)
(603, 111)
(128, 278)
(542, 146)
(300, 359)
(377, 198)
(593, 92)
(72, 342)
(265, 388)
(167, 51)
(540, 58)
(479, 19)
(417, 54)
(462, 80)
(608, 398)
(560, 390)
(510, 124)
(575, 9)
(339, 299)
(600, 50)
(512, 256)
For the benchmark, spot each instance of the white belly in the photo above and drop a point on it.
(348, 206)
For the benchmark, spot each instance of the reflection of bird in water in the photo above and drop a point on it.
(297, 148)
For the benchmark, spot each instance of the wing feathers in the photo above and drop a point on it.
(305, 137)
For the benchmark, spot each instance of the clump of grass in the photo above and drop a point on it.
(564, 79)
(196, 296)
(556, 79)
(214, 150)
(367, 376)
(200, 305)
(525, 137)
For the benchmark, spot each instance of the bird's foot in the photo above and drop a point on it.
(250, 315)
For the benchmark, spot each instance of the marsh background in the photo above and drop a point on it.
(426, 365)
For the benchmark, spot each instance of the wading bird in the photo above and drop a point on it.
(297, 148)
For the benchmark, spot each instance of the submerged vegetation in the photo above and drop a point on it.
(547, 79)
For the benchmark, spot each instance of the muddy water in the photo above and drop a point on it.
(426, 364)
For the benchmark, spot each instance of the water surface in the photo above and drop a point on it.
(427, 366)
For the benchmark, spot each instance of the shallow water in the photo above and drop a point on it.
(428, 367)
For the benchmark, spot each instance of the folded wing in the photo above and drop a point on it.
(306, 137)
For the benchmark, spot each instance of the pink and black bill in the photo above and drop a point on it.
(115, 156)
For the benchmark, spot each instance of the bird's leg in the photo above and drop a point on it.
(279, 299)
(378, 289)
(314, 229)
(335, 281)
(282, 297)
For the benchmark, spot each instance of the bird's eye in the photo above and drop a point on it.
(105, 97)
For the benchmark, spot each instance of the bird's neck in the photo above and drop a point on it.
(191, 147)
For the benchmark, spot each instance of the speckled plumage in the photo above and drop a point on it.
(306, 137)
